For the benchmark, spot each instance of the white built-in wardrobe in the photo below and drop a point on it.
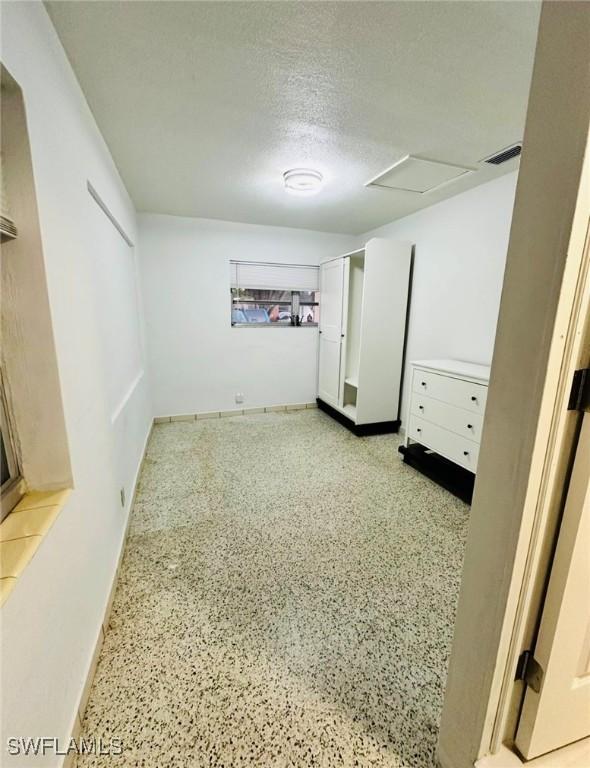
(364, 304)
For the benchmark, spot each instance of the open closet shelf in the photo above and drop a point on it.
(352, 381)
(350, 411)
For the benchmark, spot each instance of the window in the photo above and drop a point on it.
(256, 306)
(264, 294)
(11, 486)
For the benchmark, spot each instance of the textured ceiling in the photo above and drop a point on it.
(204, 105)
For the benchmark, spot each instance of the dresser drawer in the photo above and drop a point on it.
(458, 392)
(465, 423)
(454, 447)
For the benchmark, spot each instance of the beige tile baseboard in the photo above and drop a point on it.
(236, 412)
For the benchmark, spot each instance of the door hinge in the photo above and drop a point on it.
(580, 392)
(530, 671)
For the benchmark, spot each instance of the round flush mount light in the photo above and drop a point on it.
(303, 181)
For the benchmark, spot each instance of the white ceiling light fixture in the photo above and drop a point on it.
(303, 181)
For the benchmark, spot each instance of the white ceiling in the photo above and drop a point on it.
(205, 104)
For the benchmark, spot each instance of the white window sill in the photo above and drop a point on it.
(273, 325)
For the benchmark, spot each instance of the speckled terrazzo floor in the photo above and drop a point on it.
(286, 598)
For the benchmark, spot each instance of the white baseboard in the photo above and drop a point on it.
(575, 755)
(69, 760)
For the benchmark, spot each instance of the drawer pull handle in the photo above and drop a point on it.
(465, 453)
(474, 398)
(421, 407)
(418, 429)
(470, 426)
(423, 383)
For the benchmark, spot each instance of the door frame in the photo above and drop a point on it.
(562, 642)
(550, 470)
(528, 434)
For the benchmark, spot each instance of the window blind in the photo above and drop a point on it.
(280, 277)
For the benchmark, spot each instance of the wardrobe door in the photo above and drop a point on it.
(383, 327)
(331, 291)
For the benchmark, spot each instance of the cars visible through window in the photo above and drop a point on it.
(272, 304)
(261, 307)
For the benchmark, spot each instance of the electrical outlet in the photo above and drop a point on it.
(122, 492)
(239, 397)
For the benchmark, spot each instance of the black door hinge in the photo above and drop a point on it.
(580, 393)
(529, 670)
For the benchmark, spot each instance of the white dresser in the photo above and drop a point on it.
(446, 409)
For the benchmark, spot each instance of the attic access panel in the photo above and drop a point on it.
(416, 174)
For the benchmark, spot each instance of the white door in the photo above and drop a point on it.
(560, 713)
(331, 293)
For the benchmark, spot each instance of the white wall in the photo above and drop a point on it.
(52, 619)
(460, 253)
(197, 360)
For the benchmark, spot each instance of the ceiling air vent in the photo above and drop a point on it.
(504, 155)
